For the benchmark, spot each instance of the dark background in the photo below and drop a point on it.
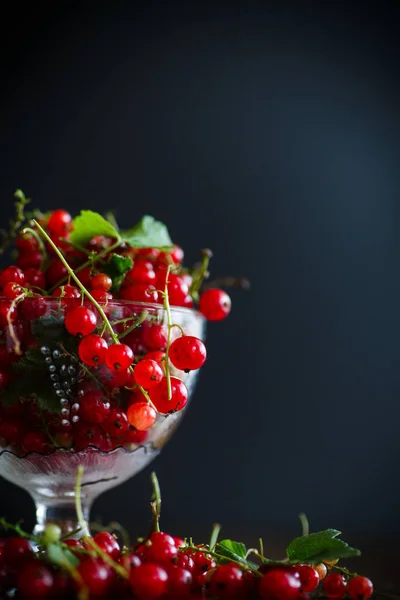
(268, 132)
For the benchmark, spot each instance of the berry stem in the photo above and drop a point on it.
(170, 325)
(201, 273)
(305, 527)
(28, 536)
(155, 502)
(78, 283)
(214, 535)
(17, 343)
(342, 570)
(20, 202)
(138, 322)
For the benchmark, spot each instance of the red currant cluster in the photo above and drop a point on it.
(107, 378)
(161, 567)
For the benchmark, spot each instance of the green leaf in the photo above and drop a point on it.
(316, 547)
(148, 233)
(28, 384)
(234, 551)
(117, 267)
(61, 557)
(89, 224)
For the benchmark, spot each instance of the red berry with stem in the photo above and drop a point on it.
(116, 423)
(215, 304)
(141, 272)
(12, 290)
(129, 561)
(154, 337)
(161, 536)
(184, 561)
(360, 588)
(26, 243)
(92, 407)
(159, 551)
(59, 223)
(227, 582)
(101, 296)
(139, 292)
(108, 544)
(158, 356)
(80, 321)
(187, 353)
(92, 350)
(141, 415)
(177, 288)
(35, 278)
(96, 576)
(119, 357)
(101, 281)
(8, 312)
(203, 562)
(279, 584)
(12, 274)
(160, 399)
(175, 255)
(35, 581)
(69, 296)
(179, 582)
(148, 373)
(148, 581)
(334, 585)
(85, 277)
(16, 551)
(309, 578)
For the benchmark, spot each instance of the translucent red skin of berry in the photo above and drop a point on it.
(159, 396)
(12, 290)
(35, 277)
(154, 337)
(59, 222)
(80, 321)
(108, 544)
(159, 551)
(148, 581)
(360, 588)
(141, 272)
(101, 281)
(33, 260)
(95, 575)
(148, 373)
(92, 350)
(279, 584)
(116, 423)
(215, 304)
(227, 582)
(69, 296)
(12, 274)
(35, 581)
(119, 357)
(187, 353)
(179, 582)
(92, 408)
(16, 551)
(309, 578)
(36, 441)
(90, 435)
(101, 296)
(334, 585)
(139, 292)
(55, 273)
(141, 415)
(129, 561)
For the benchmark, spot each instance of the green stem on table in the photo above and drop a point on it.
(78, 283)
(170, 325)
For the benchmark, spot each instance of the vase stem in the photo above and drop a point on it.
(62, 514)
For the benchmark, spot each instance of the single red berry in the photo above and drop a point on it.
(119, 357)
(162, 536)
(85, 277)
(80, 321)
(12, 274)
(159, 551)
(5, 378)
(69, 294)
(141, 272)
(175, 255)
(158, 356)
(16, 552)
(89, 435)
(141, 415)
(115, 379)
(309, 578)
(59, 223)
(151, 254)
(360, 588)
(215, 304)
(55, 273)
(31, 260)
(129, 561)
(148, 373)
(227, 582)
(101, 281)
(96, 576)
(148, 581)
(101, 296)
(154, 337)
(279, 584)
(334, 585)
(8, 312)
(203, 562)
(26, 243)
(35, 581)
(140, 292)
(92, 350)
(12, 290)
(116, 423)
(162, 402)
(177, 288)
(179, 543)
(92, 407)
(12, 429)
(108, 544)
(35, 278)
(134, 436)
(187, 353)
(179, 582)
(184, 561)
(36, 441)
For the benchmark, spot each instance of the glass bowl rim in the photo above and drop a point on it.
(121, 302)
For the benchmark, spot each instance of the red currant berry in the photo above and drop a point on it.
(108, 544)
(73, 543)
(69, 294)
(96, 576)
(179, 396)
(92, 407)
(187, 353)
(129, 561)
(158, 356)
(26, 243)
(92, 350)
(140, 292)
(142, 272)
(89, 435)
(119, 357)
(134, 436)
(215, 304)
(280, 585)
(184, 561)
(177, 288)
(8, 312)
(35, 581)
(159, 551)
(12, 274)
(101, 296)
(154, 337)
(59, 223)
(55, 273)
(80, 321)
(148, 581)
(309, 578)
(203, 562)
(101, 281)
(12, 290)
(227, 582)
(17, 551)
(33, 260)
(115, 379)
(116, 423)
(175, 255)
(35, 278)
(321, 570)
(335, 585)
(85, 277)
(148, 373)
(360, 588)
(141, 415)
(179, 582)
(36, 441)
(161, 536)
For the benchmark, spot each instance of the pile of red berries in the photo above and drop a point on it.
(103, 392)
(162, 567)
